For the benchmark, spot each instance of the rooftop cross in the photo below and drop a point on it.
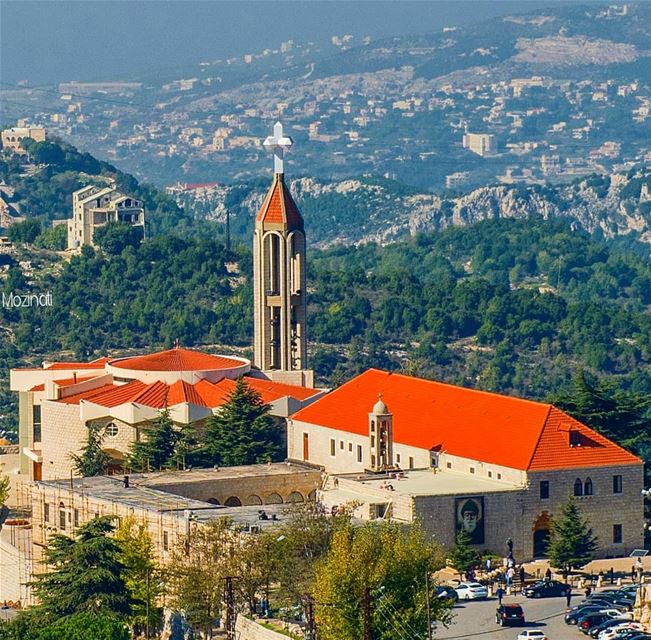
(279, 144)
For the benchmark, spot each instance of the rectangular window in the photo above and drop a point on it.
(36, 416)
(46, 512)
(472, 469)
(617, 533)
(76, 517)
(490, 474)
(166, 541)
(499, 476)
(618, 484)
(62, 519)
(333, 446)
(341, 444)
(448, 465)
(350, 447)
(398, 458)
(544, 489)
(411, 462)
(359, 453)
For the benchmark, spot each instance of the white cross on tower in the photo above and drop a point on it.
(279, 144)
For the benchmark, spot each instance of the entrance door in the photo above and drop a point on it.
(540, 543)
(306, 446)
(38, 471)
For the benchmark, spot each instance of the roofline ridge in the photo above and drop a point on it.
(540, 434)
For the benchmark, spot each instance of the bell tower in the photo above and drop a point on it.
(280, 345)
(380, 431)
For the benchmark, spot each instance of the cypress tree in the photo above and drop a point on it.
(93, 460)
(572, 543)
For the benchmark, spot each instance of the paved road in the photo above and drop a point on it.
(476, 619)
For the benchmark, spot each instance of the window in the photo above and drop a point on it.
(397, 458)
(587, 487)
(46, 512)
(62, 517)
(448, 465)
(578, 487)
(333, 447)
(166, 541)
(499, 476)
(372, 426)
(544, 489)
(112, 429)
(618, 484)
(76, 517)
(617, 534)
(350, 447)
(472, 469)
(490, 474)
(36, 416)
(411, 462)
(359, 453)
(341, 444)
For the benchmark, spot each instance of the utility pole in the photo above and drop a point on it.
(366, 610)
(229, 599)
(147, 603)
(429, 609)
(310, 621)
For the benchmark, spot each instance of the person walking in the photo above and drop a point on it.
(548, 574)
(500, 594)
(568, 596)
(521, 576)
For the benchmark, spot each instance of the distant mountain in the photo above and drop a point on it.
(360, 210)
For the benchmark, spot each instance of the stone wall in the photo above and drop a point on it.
(246, 629)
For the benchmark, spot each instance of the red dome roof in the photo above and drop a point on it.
(177, 359)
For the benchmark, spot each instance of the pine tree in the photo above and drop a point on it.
(4, 488)
(243, 432)
(572, 543)
(462, 555)
(86, 574)
(93, 460)
(157, 450)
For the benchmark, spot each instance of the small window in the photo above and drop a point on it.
(333, 447)
(472, 469)
(499, 476)
(587, 487)
(359, 453)
(398, 458)
(372, 441)
(490, 474)
(36, 416)
(112, 430)
(448, 465)
(578, 487)
(166, 541)
(618, 484)
(62, 518)
(76, 512)
(617, 534)
(350, 447)
(372, 426)
(46, 512)
(411, 462)
(341, 444)
(544, 489)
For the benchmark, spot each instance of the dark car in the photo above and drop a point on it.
(446, 593)
(613, 622)
(590, 620)
(507, 614)
(572, 615)
(546, 589)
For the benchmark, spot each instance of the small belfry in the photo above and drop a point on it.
(280, 346)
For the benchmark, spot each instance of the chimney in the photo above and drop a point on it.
(126, 482)
(74, 377)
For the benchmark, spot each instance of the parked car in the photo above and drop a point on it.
(446, 593)
(532, 634)
(546, 589)
(508, 614)
(607, 624)
(471, 591)
(616, 632)
(572, 615)
(590, 620)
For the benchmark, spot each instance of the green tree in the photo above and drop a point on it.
(115, 237)
(55, 238)
(93, 460)
(141, 573)
(572, 543)
(386, 563)
(157, 450)
(86, 626)
(24, 232)
(86, 573)
(462, 555)
(4, 487)
(243, 431)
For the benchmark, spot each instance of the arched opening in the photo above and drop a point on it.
(213, 501)
(541, 533)
(116, 461)
(253, 500)
(274, 498)
(587, 487)
(272, 253)
(312, 496)
(578, 487)
(233, 501)
(295, 496)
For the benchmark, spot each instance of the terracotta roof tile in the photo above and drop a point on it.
(177, 359)
(478, 425)
(279, 206)
(87, 395)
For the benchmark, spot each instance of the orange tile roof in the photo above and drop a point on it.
(95, 364)
(281, 389)
(279, 206)
(478, 425)
(64, 382)
(87, 395)
(177, 359)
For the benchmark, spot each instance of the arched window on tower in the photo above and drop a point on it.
(578, 487)
(587, 487)
(272, 252)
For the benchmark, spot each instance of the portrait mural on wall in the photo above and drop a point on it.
(469, 514)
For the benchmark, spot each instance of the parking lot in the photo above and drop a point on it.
(476, 619)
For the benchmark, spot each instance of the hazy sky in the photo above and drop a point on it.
(49, 42)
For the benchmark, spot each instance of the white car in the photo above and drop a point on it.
(532, 634)
(471, 591)
(616, 613)
(612, 633)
